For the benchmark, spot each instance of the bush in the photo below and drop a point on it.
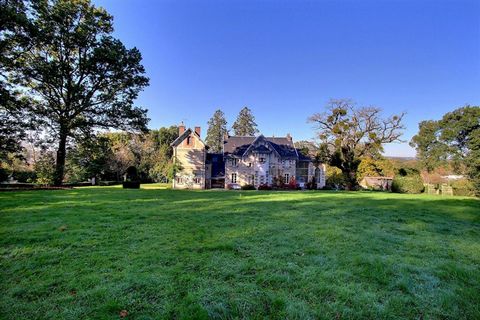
(264, 187)
(3, 174)
(131, 185)
(45, 169)
(25, 176)
(407, 184)
(463, 187)
(248, 187)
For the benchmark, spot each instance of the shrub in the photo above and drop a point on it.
(3, 174)
(264, 187)
(248, 187)
(131, 185)
(25, 176)
(45, 169)
(407, 184)
(463, 187)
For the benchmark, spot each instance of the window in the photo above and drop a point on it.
(249, 164)
(287, 178)
(262, 179)
(261, 160)
(179, 180)
(197, 180)
(234, 162)
(189, 140)
(234, 178)
(251, 179)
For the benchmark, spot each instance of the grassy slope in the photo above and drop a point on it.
(185, 254)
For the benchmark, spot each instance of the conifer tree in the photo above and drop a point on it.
(217, 127)
(245, 124)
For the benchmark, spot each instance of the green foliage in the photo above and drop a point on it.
(15, 31)
(45, 169)
(88, 158)
(463, 187)
(370, 167)
(245, 124)
(25, 176)
(4, 174)
(407, 184)
(248, 187)
(347, 134)
(455, 137)
(217, 129)
(168, 254)
(89, 80)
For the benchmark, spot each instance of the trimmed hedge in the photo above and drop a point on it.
(248, 187)
(407, 184)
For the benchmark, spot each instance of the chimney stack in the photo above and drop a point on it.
(197, 130)
(289, 137)
(181, 129)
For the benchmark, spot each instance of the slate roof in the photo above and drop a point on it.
(185, 134)
(236, 146)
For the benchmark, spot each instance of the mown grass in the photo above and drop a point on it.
(158, 253)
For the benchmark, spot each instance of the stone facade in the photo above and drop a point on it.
(190, 155)
(245, 161)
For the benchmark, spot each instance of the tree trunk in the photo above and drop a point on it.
(351, 180)
(61, 154)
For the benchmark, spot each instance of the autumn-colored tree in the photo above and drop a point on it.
(347, 134)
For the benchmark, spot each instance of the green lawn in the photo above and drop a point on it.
(158, 253)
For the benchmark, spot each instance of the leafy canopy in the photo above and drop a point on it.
(79, 76)
(347, 134)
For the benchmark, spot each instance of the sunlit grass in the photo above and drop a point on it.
(158, 253)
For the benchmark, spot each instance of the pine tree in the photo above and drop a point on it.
(245, 124)
(217, 127)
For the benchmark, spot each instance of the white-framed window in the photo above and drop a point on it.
(262, 179)
(197, 180)
(251, 179)
(234, 178)
(287, 178)
(179, 180)
(234, 162)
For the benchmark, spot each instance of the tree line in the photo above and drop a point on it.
(68, 91)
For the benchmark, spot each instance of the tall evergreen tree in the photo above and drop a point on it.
(217, 127)
(245, 124)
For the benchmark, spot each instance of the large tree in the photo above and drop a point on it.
(245, 124)
(455, 138)
(217, 128)
(80, 77)
(347, 134)
(15, 31)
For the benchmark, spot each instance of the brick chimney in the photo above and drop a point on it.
(181, 129)
(198, 130)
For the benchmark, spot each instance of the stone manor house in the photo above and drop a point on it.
(245, 160)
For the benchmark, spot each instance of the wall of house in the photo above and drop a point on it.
(249, 170)
(190, 154)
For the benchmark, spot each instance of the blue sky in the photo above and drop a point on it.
(286, 59)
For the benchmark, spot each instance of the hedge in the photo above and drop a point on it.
(407, 184)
